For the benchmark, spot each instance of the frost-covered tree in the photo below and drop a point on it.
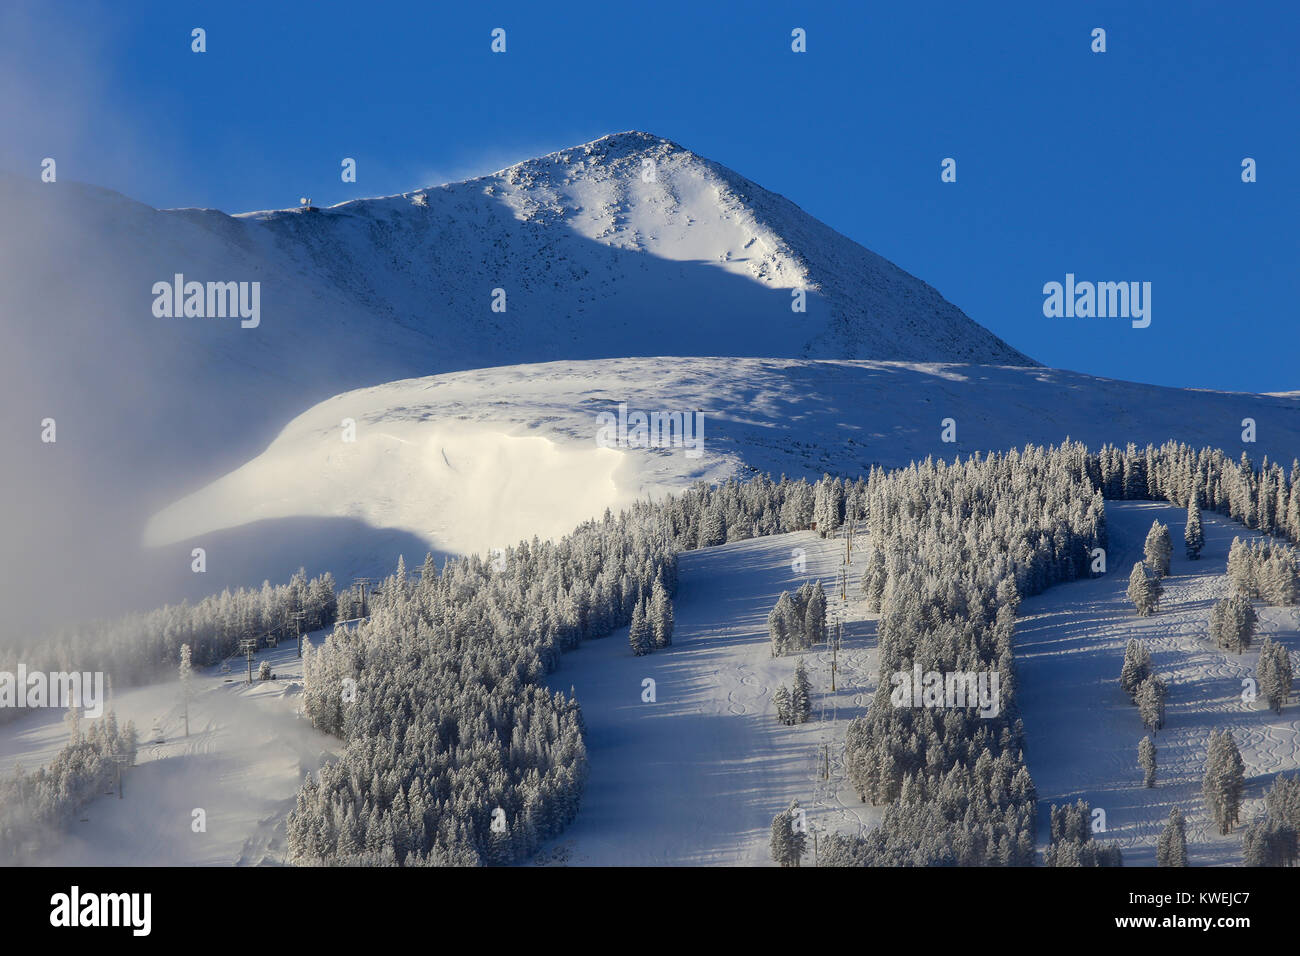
(873, 579)
(801, 695)
(1171, 846)
(661, 615)
(1158, 549)
(789, 841)
(639, 635)
(814, 620)
(1137, 667)
(1071, 839)
(1147, 761)
(1268, 843)
(1150, 699)
(1241, 570)
(798, 620)
(1274, 673)
(35, 807)
(1272, 840)
(1143, 590)
(784, 626)
(781, 699)
(1224, 781)
(1194, 533)
(1232, 623)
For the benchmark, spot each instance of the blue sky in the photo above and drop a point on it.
(1122, 166)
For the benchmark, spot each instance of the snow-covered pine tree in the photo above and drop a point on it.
(782, 842)
(1137, 666)
(781, 698)
(1171, 847)
(1194, 534)
(873, 579)
(713, 527)
(1158, 549)
(1224, 780)
(1141, 590)
(801, 695)
(1150, 699)
(661, 615)
(1274, 673)
(814, 619)
(1241, 570)
(1147, 761)
(784, 626)
(639, 635)
(1232, 623)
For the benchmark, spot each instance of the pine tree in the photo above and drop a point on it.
(1137, 667)
(801, 695)
(1147, 761)
(814, 622)
(782, 842)
(1143, 590)
(1267, 842)
(1232, 623)
(1150, 699)
(782, 701)
(187, 684)
(1194, 534)
(785, 626)
(1225, 780)
(1241, 568)
(873, 579)
(639, 634)
(1274, 673)
(789, 840)
(661, 615)
(1158, 549)
(1171, 847)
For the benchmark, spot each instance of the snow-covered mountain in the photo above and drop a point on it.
(617, 261)
(470, 461)
(627, 246)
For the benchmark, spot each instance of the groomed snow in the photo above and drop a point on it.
(696, 777)
(1082, 732)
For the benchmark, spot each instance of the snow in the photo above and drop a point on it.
(470, 461)
(696, 777)
(1082, 732)
(595, 261)
(242, 763)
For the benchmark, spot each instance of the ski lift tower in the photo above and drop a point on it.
(362, 584)
(121, 761)
(298, 617)
(249, 646)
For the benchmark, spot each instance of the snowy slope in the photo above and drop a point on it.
(696, 776)
(1082, 732)
(245, 757)
(475, 460)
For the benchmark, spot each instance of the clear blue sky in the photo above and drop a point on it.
(1117, 166)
